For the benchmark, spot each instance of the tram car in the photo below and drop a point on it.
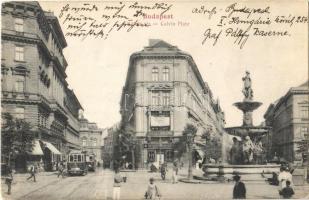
(77, 163)
(91, 161)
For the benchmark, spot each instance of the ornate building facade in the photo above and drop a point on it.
(163, 92)
(289, 119)
(91, 138)
(34, 85)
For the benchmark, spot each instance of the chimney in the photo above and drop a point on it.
(153, 41)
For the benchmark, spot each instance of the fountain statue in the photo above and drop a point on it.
(247, 154)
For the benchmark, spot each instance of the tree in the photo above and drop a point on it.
(188, 134)
(127, 144)
(213, 145)
(16, 137)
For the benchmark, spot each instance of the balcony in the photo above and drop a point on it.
(160, 146)
(160, 108)
(160, 133)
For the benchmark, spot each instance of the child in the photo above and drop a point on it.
(152, 190)
(9, 179)
(117, 184)
(288, 191)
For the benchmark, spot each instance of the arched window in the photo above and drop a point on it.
(94, 142)
(166, 73)
(84, 141)
(155, 74)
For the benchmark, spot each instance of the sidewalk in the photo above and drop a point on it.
(24, 186)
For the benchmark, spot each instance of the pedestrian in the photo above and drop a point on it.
(32, 172)
(288, 191)
(117, 184)
(60, 169)
(283, 177)
(152, 190)
(239, 191)
(175, 172)
(9, 179)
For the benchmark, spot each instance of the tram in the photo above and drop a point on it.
(77, 163)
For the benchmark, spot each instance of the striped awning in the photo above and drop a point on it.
(36, 150)
(52, 148)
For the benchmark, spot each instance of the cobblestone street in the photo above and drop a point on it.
(98, 185)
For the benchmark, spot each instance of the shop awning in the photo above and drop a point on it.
(200, 153)
(36, 151)
(52, 148)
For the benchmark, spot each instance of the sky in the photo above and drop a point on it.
(97, 67)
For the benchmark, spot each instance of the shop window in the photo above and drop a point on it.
(151, 156)
(169, 155)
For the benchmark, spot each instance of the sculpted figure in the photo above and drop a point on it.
(248, 150)
(247, 90)
(235, 152)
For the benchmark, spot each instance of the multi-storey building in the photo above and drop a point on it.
(34, 85)
(108, 146)
(163, 92)
(90, 138)
(289, 119)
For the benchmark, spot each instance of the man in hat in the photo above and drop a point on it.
(239, 191)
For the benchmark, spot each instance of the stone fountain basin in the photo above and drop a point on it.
(241, 169)
(247, 105)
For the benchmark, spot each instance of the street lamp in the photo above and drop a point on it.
(189, 143)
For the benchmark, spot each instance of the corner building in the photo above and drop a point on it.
(33, 80)
(289, 119)
(164, 91)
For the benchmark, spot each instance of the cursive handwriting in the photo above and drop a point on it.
(249, 11)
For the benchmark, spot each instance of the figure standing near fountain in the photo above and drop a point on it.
(235, 152)
(247, 90)
(248, 150)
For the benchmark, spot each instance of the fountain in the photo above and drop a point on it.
(246, 156)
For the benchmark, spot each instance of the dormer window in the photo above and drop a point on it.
(155, 74)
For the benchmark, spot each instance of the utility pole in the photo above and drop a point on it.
(189, 144)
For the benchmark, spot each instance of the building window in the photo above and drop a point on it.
(94, 142)
(166, 73)
(304, 113)
(304, 131)
(19, 84)
(166, 98)
(151, 156)
(84, 142)
(19, 25)
(19, 53)
(20, 113)
(155, 98)
(169, 155)
(155, 74)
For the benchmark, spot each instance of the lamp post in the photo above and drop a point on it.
(189, 144)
